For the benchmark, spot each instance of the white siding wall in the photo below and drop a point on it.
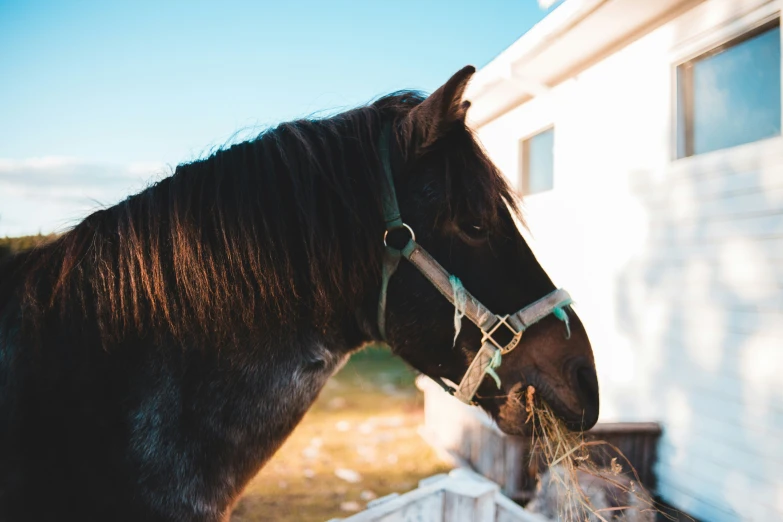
(676, 266)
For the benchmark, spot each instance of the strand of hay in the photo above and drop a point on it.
(568, 458)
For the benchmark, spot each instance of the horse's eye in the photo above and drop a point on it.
(473, 231)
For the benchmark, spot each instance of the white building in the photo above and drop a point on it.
(646, 136)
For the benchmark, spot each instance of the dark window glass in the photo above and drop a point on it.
(538, 162)
(730, 95)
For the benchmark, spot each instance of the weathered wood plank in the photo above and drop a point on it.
(462, 496)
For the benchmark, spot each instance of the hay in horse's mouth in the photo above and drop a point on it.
(566, 450)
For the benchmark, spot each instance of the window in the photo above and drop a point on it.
(537, 162)
(731, 94)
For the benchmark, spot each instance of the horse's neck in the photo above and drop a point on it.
(195, 426)
(244, 410)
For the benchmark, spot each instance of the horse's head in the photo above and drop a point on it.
(462, 213)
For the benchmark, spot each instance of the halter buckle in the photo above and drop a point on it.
(516, 336)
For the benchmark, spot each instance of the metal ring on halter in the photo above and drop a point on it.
(405, 225)
(516, 336)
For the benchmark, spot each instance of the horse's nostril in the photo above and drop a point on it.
(586, 384)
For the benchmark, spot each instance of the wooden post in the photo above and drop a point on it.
(469, 500)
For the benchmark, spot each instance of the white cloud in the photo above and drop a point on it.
(51, 194)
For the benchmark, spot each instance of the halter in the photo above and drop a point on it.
(492, 326)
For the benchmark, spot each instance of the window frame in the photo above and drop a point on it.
(730, 33)
(523, 168)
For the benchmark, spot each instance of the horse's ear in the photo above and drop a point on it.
(437, 114)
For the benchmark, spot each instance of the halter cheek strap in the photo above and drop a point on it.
(489, 356)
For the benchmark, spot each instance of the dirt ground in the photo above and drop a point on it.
(358, 442)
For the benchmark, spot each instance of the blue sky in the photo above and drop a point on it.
(97, 98)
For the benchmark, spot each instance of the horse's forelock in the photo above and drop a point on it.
(474, 187)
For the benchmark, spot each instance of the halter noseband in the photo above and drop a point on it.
(491, 325)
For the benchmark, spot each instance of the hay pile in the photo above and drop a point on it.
(575, 489)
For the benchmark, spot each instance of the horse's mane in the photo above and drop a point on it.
(268, 231)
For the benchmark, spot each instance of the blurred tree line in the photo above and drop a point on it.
(11, 245)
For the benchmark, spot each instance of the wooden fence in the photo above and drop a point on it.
(460, 496)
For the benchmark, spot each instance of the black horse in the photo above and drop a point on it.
(153, 358)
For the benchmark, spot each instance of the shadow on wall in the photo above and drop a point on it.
(704, 306)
